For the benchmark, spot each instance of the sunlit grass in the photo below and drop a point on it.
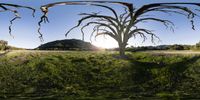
(93, 75)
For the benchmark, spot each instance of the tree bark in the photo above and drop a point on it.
(122, 49)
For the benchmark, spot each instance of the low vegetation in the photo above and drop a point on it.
(165, 47)
(3, 45)
(98, 75)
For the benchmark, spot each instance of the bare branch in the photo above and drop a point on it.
(95, 28)
(111, 9)
(45, 8)
(142, 36)
(44, 19)
(17, 16)
(110, 19)
(163, 6)
(128, 5)
(144, 8)
(105, 33)
(5, 8)
(122, 15)
(17, 6)
(165, 22)
(101, 24)
(114, 22)
(143, 31)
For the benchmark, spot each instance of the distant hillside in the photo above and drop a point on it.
(14, 48)
(67, 44)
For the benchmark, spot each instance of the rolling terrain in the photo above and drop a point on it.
(99, 75)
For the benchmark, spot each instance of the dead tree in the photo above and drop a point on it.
(122, 27)
(13, 8)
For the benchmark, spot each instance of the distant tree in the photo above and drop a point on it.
(13, 8)
(197, 45)
(176, 47)
(3, 45)
(187, 47)
(122, 27)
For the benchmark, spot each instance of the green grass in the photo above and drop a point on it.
(98, 75)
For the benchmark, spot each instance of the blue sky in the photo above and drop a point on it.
(63, 18)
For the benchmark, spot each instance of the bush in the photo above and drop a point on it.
(3, 45)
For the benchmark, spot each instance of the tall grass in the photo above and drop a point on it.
(89, 75)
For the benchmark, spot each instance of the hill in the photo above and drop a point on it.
(68, 44)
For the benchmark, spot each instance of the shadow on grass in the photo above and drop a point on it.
(155, 78)
(145, 79)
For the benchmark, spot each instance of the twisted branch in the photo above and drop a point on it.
(5, 8)
(166, 23)
(142, 33)
(162, 7)
(45, 8)
(108, 18)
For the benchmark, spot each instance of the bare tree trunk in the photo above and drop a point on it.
(122, 49)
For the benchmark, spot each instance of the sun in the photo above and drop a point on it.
(105, 42)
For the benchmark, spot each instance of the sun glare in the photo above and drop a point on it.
(105, 42)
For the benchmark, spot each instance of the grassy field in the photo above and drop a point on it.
(174, 52)
(85, 75)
